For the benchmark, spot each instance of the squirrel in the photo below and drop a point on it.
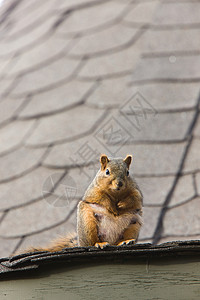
(110, 212)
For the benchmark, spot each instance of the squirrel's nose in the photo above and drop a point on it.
(120, 183)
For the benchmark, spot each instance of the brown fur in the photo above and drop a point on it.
(114, 204)
(111, 209)
(58, 244)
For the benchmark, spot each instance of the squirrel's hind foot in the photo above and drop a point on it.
(102, 245)
(126, 242)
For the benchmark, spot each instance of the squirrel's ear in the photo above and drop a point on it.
(128, 160)
(103, 160)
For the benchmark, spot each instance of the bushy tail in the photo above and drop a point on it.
(59, 244)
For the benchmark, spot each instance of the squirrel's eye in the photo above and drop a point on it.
(127, 172)
(107, 172)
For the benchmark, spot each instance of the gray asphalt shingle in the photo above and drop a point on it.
(68, 71)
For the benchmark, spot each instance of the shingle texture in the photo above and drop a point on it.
(80, 78)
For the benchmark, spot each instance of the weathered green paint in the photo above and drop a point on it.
(147, 279)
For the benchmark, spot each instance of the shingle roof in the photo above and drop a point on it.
(32, 261)
(72, 73)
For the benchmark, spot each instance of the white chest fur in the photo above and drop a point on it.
(110, 227)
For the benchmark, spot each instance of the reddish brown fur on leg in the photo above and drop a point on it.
(130, 234)
(87, 226)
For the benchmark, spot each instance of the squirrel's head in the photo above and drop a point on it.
(114, 173)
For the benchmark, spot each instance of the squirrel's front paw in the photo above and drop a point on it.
(126, 242)
(102, 245)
